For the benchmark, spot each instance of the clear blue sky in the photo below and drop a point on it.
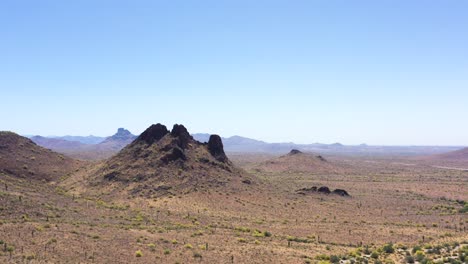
(379, 72)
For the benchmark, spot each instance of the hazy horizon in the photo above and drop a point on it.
(230, 136)
(380, 73)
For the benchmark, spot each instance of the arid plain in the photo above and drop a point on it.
(167, 198)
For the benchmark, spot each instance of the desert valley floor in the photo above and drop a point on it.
(399, 210)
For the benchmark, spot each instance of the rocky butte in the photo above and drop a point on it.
(160, 162)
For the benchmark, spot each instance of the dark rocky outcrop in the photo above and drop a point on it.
(153, 134)
(247, 181)
(320, 157)
(323, 190)
(307, 190)
(182, 136)
(341, 192)
(175, 154)
(295, 152)
(215, 146)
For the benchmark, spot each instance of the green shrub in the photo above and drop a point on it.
(242, 229)
(298, 239)
(322, 257)
(415, 249)
(409, 259)
(242, 240)
(258, 233)
(152, 247)
(464, 210)
(419, 255)
(139, 254)
(334, 259)
(189, 246)
(388, 248)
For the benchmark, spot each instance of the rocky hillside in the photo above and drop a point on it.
(162, 162)
(21, 157)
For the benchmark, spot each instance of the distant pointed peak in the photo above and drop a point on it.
(123, 132)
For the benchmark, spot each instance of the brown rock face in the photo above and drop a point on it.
(153, 134)
(215, 146)
(182, 135)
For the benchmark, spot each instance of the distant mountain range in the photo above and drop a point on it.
(85, 140)
(91, 147)
(105, 148)
(243, 144)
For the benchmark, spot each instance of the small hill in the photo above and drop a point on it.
(298, 161)
(460, 155)
(21, 157)
(160, 162)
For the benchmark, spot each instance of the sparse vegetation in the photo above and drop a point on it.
(269, 220)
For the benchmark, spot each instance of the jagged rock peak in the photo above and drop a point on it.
(122, 133)
(215, 146)
(295, 152)
(179, 130)
(182, 135)
(153, 134)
